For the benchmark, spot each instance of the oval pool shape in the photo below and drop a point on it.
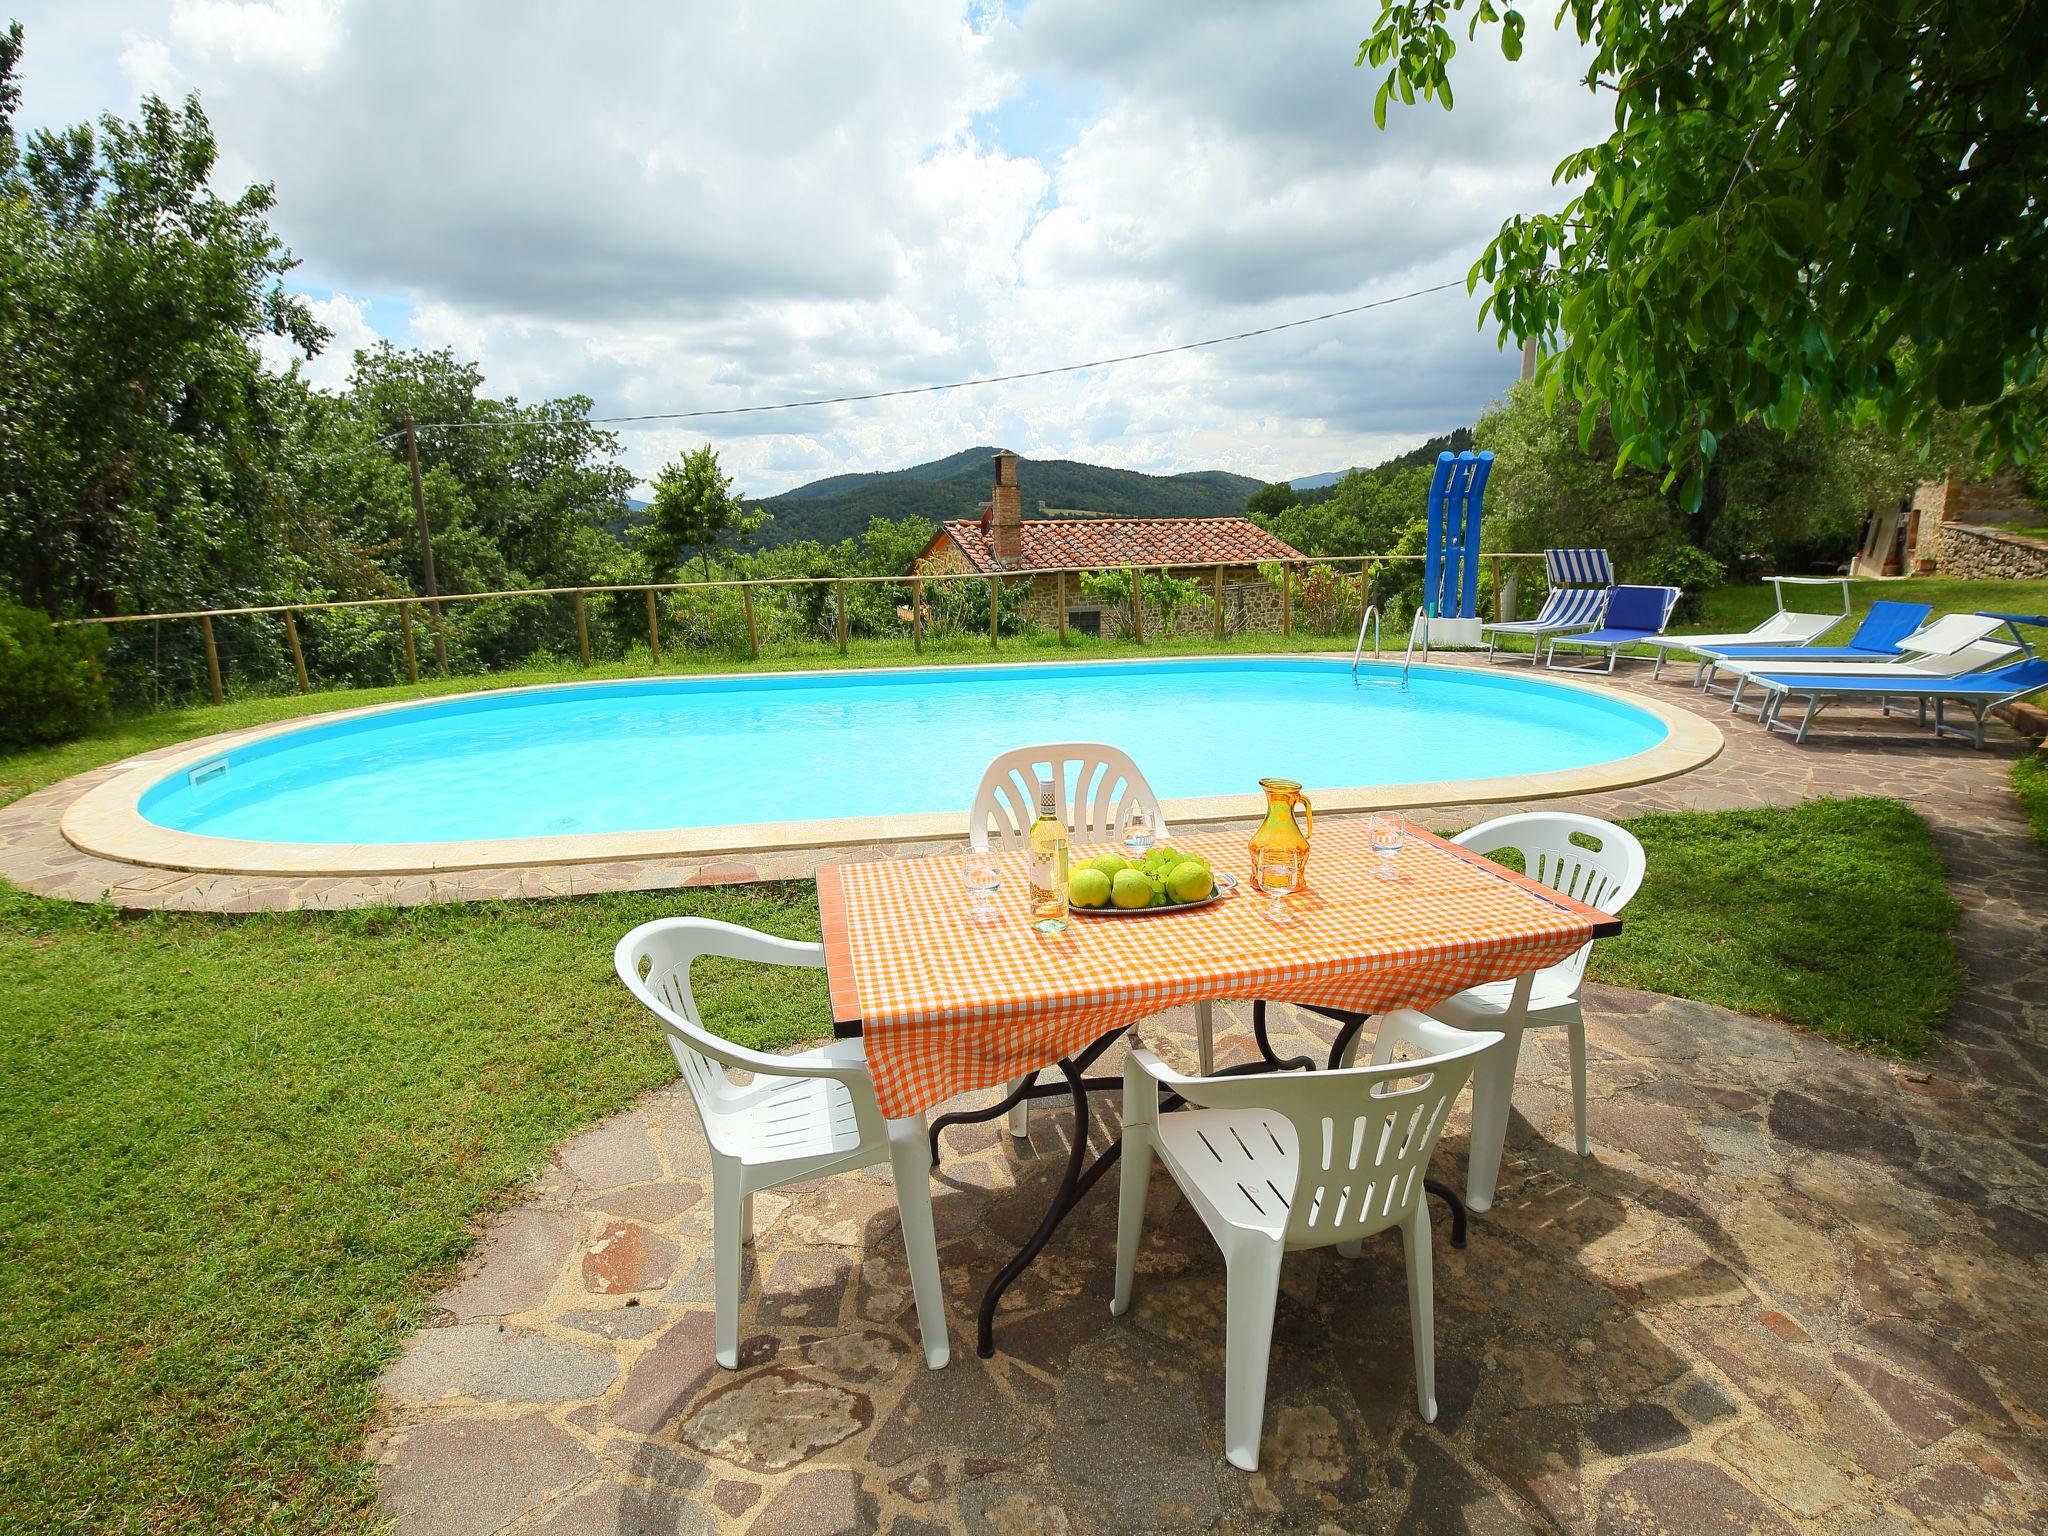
(585, 759)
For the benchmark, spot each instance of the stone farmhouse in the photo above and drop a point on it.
(1053, 550)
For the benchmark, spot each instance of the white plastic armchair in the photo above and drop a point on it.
(1604, 871)
(801, 1117)
(1290, 1160)
(1093, 782)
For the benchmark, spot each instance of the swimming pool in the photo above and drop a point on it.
(516, 775)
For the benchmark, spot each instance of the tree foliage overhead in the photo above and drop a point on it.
(1769, 501)
(137, 432)
(1829, 211)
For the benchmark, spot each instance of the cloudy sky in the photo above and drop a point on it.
(676, 206)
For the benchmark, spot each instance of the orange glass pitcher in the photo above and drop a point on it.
(1278, 834)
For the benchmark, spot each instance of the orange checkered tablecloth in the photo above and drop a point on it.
(948, 1006)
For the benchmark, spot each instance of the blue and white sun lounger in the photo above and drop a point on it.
(1788, 627)
(1953, 644)
(1579, 579)
(1876, 639)
(1979, 692)
(1634, 614)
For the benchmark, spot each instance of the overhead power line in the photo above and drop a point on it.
(997, 378)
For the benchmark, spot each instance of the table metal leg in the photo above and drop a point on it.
(1064, 1199)
(1029, 1088)
(1272, 1062)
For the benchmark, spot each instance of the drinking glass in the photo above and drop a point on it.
(983, 877)
(1278, 877)
(1139, 829)
(1383, 833)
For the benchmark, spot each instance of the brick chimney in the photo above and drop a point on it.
(1006, 512)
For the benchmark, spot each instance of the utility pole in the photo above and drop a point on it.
(419, 510)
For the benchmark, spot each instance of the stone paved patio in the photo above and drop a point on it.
(1795, 1289)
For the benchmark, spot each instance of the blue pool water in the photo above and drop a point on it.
(681, 752)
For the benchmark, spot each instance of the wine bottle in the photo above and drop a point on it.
(1048, 863)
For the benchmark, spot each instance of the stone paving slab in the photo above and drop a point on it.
(1748, 1311)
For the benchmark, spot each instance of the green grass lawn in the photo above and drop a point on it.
(1833, 915)
(2030, 783)
(242, 1152)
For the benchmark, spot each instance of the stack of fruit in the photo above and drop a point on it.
(1165, 877)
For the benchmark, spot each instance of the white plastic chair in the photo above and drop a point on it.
(1289, 1160)
(1093, 782)
(801, 1117)
(1607, 876)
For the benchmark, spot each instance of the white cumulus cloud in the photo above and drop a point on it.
(695, 206)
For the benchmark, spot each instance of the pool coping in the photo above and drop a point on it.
(106, 820)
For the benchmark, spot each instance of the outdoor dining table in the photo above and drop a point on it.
(949, 1006)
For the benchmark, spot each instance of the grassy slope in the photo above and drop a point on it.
(242, 1151)
(2030, 783)
(1833, 914)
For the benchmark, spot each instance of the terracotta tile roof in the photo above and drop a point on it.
(1050, 543)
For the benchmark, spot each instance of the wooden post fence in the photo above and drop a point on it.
(653, 629)
(412, 656)
(1216, 601)
(419, 509)
(995, 609)
(1063, 608)
(1287, 600)
(291, 633)
(582, 628)
(1137, 608)
(917, 615)
(1500, 612)
(839, 590)
(212, 661)
(753, 634)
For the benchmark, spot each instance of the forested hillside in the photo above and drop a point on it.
(839, 507)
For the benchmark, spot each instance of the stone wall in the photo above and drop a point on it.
(1963, 550)
(1249, 603)
(1939, 505)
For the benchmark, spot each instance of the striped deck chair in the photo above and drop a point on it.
(1579, 579)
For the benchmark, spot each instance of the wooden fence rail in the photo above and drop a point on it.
(747, 587)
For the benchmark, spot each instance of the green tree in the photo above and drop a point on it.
(139, 435)
(1768, 501)
(540, 479)
(1365, 512)
(1828, 211)
(1269, 501)
(695, 510)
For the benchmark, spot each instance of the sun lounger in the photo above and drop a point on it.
(1952, 645)
(1876, 639)
(1634, 614)
(1579, 579)
(1788, 627)
(1979, 692)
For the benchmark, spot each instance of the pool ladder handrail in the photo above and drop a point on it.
(1370, 616)
(1419, 625)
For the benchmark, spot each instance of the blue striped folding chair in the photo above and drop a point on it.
(1577, 600)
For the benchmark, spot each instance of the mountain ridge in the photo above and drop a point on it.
(956, 485)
